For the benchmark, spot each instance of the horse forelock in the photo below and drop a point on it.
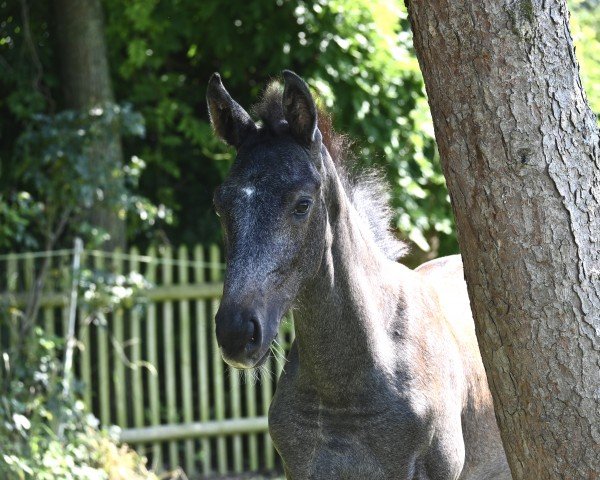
(368, 190)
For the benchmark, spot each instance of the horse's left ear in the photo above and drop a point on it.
(299, 108)
(230, 121)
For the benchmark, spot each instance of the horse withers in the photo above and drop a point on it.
(384, 379)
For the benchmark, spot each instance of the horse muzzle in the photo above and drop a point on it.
(240, 334)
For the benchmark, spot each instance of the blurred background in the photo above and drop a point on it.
(104, 136)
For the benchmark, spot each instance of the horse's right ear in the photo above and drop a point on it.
(230, 121)
(299, 108)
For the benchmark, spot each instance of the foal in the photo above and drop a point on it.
(384, 379)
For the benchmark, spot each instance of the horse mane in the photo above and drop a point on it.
(367, 189)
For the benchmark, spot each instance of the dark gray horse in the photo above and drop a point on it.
(384, 380)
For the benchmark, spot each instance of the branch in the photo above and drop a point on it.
(37, 63)
(33, 306)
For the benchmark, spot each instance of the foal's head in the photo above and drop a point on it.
(272, 210)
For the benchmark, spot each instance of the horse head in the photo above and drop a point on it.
(272, 211)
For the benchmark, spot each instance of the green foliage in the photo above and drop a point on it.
(57, 164)
(46, 431)
(585, 27)
(48, 435)
(357, 55)
(103, 291)
(18, 214)
(372, 78)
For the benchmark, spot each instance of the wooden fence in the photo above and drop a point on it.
(156, 371)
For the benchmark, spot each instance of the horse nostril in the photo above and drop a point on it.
(254, 331)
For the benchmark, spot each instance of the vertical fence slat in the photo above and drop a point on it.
(48, 320)
(28, 277)
(48, 312)
(267, 394)
(103, 362)
(169, 354)
(203, 359)
(11, 272)
(84, 356)
(186, 359)
(65, 279)
(29, 272)
(12, 286)
(236, 412)
(153, 385)
(136, 352)
(251, 412)
(218, 385)
(121, 397)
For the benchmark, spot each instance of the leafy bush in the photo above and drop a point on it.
(46, 431)
(63, 181)
(357, 56)
(47, 435)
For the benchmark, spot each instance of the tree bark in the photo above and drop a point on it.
(85, 78)
(519, 149)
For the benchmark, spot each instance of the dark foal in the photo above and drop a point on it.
(384, 379)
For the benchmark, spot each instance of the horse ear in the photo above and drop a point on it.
(299, 108)
(230, 121)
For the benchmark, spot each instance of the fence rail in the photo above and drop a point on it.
(156, 372)
(215, 428)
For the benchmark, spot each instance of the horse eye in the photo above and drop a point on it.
(302, 207)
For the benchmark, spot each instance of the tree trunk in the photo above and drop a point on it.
(519, 149)
(86, 84)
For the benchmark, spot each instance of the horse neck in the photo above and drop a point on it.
(340, 320)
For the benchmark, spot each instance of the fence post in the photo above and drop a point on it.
(85, 360)
(203, 358)
(70, 333)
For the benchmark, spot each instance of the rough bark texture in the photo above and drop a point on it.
(85, 79)
(519, 148)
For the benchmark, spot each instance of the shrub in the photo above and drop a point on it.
(47, 434)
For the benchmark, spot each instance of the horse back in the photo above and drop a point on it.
(449, 265)
(446, 278)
